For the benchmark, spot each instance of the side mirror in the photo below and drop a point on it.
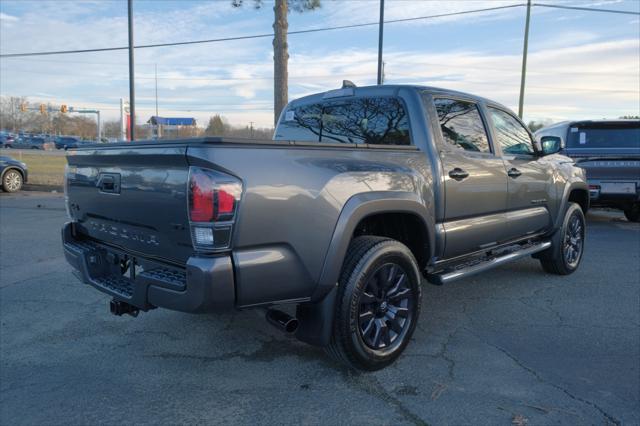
(550, 145)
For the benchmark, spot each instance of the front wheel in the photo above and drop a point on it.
(632, 213)
(567, 245)
(378, 304)
(12, 181)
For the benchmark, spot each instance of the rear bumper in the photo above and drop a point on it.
(599, 196)
(206, 284)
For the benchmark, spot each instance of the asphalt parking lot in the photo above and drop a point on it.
(511, 346)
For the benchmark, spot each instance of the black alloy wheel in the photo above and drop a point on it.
(386, 306)
(573, 241)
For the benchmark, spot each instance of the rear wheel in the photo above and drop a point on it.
(12, 181)
(632, 213)
(567, 245)
(378, 303)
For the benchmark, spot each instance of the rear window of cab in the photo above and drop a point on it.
(363, 120)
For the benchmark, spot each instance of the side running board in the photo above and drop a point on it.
(479, 265)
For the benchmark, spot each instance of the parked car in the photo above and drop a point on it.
(13, 174)
(32, 142)
(6, 140)
(362, 193)
(609, 151)
(65, 142)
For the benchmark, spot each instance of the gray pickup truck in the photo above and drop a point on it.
(609, 151)
(362, 193)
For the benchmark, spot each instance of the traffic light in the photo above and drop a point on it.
(23, 107)
(43, 109)
(63, 109)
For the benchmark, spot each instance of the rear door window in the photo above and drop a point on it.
(375, 120)
(462, 125)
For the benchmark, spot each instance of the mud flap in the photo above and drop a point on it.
(316, 320)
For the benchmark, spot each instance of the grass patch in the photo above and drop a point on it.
(45, 168)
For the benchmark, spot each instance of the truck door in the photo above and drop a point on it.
(475, 179)
(530, 177)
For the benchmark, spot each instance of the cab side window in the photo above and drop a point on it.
(373, 120)
(462, 125)
(510, 134)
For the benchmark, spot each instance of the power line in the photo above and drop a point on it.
(312, 30)
(587, 9)
(254, 36)
(143, 77)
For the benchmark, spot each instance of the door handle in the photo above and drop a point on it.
(458, 174)
(514, 173)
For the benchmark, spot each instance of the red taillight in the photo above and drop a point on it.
(201, 191)
(225, 202)
(213, 196)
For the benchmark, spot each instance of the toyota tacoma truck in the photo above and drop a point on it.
(609, 151)
(363, 194)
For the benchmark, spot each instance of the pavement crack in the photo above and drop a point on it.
(547, 308)
(372, 386)
(534, 373)
(442, 353)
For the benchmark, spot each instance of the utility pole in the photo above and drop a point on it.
(132, 90)
(380, 39)
(156, 90)
(99, 130)
(157, 125)
(524, 60)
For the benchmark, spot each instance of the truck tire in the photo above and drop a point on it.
(632, 213)
(567, 244)
(12, 181)
(378, 304)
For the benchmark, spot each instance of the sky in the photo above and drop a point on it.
(581, 64)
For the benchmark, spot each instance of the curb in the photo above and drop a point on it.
(42, 188)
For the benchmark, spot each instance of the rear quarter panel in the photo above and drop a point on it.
(292, 199)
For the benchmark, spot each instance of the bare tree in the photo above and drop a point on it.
(11, 117)
(281, 47)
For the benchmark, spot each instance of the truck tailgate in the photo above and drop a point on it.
(133, 197)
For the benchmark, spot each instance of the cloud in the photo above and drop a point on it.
(8, 18)
(572, 72)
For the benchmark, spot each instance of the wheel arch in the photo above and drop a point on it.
(367, 208)
(581, 197)
(576, 191)
(9, 168)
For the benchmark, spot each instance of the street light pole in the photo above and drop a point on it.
(132, 90)
(524, 60)
(380, 39)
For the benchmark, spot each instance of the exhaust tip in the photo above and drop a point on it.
(119, 308)
(291, 326)
(282, 320)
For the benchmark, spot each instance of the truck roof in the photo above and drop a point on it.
(388, 90)
(609, 122)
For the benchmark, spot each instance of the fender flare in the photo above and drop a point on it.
(576, 184)
(316, 317)
(357, 208)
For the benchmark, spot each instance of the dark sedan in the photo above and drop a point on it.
(14, 174)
